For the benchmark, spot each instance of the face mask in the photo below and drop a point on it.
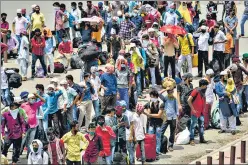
(203, 31)
(37, 11)
(119, 116)
(204, 90)
(25, 99)
(131, 52)
(145, 43)
(154, 99)
(35, 150)
(65, 40)
(246, 60)
(92, 133)
(56, 8)
(50, 92)
(123, 65)
(19, 15)
(32, 101)
(38, 34)
(101, 123)
(124, 110)
(38, 92)
(172, 10)
(51, 137)
(73, 7)
(4, 19)
(8, 35)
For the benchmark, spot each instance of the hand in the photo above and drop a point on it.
(35, 94)
(23, 135)
(105, 88)
(192, 54)
(104, 129)
(176, 57)
(65, 109)
(180, 108)
(130, 139)
(3, 137)
(129, 92)
(228, 94)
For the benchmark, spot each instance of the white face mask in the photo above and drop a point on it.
(154, 99)
(14, 113)
(123, 65)
(56, 8)
(31, 101)
(145, 43)
(131, 52)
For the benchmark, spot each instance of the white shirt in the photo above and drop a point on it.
(170, 18)
(220, 36)
(209, 92)
(129, 115)
(97, 84)
(139, 126)
(203, 42)
(20, 24)
(66, 24)
(76, 13)
(24, 49)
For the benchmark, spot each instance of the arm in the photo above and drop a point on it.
(41, 98)
(161, 96)
(60, 49)
(236, 24)
(190, 103)
(158, 115)
(13, 26)
(3, 123)
(17, 43)
(243, 69)
(29, 159)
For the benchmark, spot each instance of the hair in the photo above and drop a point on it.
(9, 31)
(56, 4)
(34, 141)
(69, 77)
(50, 130)
(80, 3)
(62, 5)
(14, 104)
(73, 124)
(73, 4)
(89, 1)
(154, 93)
(3, 14)
(100, 117)
(92, 125)
(203, 82)
(40, 86)
(109, 110)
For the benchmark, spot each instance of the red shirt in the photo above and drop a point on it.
(54, 151)
(106, 139)
(65, 47)
(5, 25)
(38, 46)
(210, 23)
(199, 103)
(93, 149)
(148, 20)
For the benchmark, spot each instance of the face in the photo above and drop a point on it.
(92, 130)
(76, 128)
(35, 147)
(62, 9)
(68, 81)
(19, 15)
(50, 136)
(151, 34)
(45, 32)
(3, 18)
(37, 33)
(89, 4)
(37, 9)
(87, 78)
(170, 92)
(13, 107)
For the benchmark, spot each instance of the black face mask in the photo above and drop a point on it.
(120, 16)
(4, 19)
(38, 34)
(24, 15)
(75, 132)
(119, 116)
(101, 123)
(37, 11)
(246, 60)
(80, 7)
(203, 90)
(19, 15)
(203, 31)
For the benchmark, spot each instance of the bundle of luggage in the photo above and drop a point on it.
(88, 52)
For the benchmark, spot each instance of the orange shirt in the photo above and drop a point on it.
(229, 44)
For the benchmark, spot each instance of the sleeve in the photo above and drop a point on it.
(223, 36)
(162, 106)
(64, 138)
(191, 40)
(42, 18)
(179, 88)
(25, 20)
(177, 111)
(100, 145)
(218, 90)
(7, 26)
(111, 132)
(147, 106)
(45, 158)
(14, 21)
(65, 95)
(194, 93)
(29, 159)
(3, 123)
(17, 43)
(73, 92)
(43, 42)
(165, 17)
(54, 41)
(59, 93)
(162, 97)
(39, 103)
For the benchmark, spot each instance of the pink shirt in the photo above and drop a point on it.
(5, 25)
(31, 111)
(20, 24)
(58, 20)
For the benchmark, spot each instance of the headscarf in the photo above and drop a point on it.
(110, 68)
(35, 157)
(119, 62)
(49, 33)
(140, 107)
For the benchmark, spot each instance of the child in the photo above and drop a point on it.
(230, 87)
(95, 145)
(111, 60)
(65, 49)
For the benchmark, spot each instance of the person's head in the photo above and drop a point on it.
(182, 22)
(224, 76)
(123, 104)
(139, 108)
(110, 112)
(92, 129)
(33, 7)
(203, 29)
(109, 68)
(37, 9)
(232, 13)
(216, 28)
(37, 32)
(35, 146)
(40, 88)
(74, 5)
(94, 71)
(118, 111)
(24, 96)
(64, 38)
(172, 8)
(119, 14)
(56, 4)
(55, 82)
(69, 79)
(154, 95)
(245, 58)
(203, 83)
(188, 77)
(31, 99)
(143, 27)
(74, 126)
(100, 5)
(80, 5)
(100, 120)
(64, 84)
(151, 32)
(89, 4)
(155, 26)
(62, 7)
(8, 35)
(51, 134)
(170, 92)
(3, 16)
(19, 13)
(23, 12)
(145, 40)
(50, 89)
(127, 16)
(135, 13)
(14, 106)
(86, 77)
(235, 60)
(211, 2)
(210, 73)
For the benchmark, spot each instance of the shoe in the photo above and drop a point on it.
(170, 149)
(192, 142)
(24, 79)
(47, 76)
(222, 131)
(203, 141)
(51, 75)
(32, 77)
(233, 132)
(199, 75)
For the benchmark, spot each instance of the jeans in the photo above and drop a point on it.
(138, 83)
(196, 23)
(6, 96)
(16, 148)
(224, 124)
(68, 162)
(142, 149)
(157, 130)
(42, 61)
(96, 107)
(240, 105)
(153, 77)
(202, 58)
(183, 58)
(75, 113)
(193, 123)
(227, 60)
(207, 115)
(130, 149)
(57, 120)
(112, 153)
(67, 119)
(108, 159)
(218, 55)
(27, 140)
(172, 124)
(108, 102)
(172, 62)
(59, 34)
(242, 24)
(124, 95)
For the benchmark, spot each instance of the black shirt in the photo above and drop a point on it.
(154, 110)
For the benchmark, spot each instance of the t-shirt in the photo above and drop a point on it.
(184, 44)
(139, 126)
(183, 89)
(37, 21)
(19, 24)
(154, 110)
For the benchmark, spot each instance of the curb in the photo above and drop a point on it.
(221, 149)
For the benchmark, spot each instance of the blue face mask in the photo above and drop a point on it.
(135, 14)
(172, 10)
(92, 133)
(50, 93)
(65, 40)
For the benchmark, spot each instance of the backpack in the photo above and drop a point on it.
(214, 64)
(195, 43)
(190, 28)
(215, 117)
(186, 96)
(15, 80)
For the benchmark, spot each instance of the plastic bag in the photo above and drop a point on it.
(183, 137)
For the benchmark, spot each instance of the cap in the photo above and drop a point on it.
(203, 27)
(33, 6)
(55, 80)
(50, 86)
(172, 5)
(151, 30)
(209, 72)
(63, 82)
(17, 99)
(223, 73)
(132, 45)
(123, 103)
(127, 15)
(19, 11)
(86, 74)
(23, 11)
(233, 67)
(245, 55)
(31, 95)
(236, 59)
(24, 94)
(187, 75)
(93, 69)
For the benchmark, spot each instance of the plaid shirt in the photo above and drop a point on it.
(125, 29)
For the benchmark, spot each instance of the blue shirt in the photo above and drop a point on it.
(52, 102)
(50, 44)
(137, 21)
(231, 22)
(78, 89)
(110, 82)
(220, 89)
(170, 107)
(88, 91)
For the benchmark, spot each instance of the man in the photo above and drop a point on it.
(80, 7)
(91, 10)
(197, 103)
(65, 50)
(229, 46)
(170, 17)
(60, 17)
(126, 28)
(203, 47)
(109, 85)
(18, 25)
(72, 140)
(76, 13)
(185, 12)
(27, 17)
(102, 11)
(244, 18)
(137, 20)
(97, 85)
(13, 45)
(219, 46)
(187, 50)
(212, 10)
(16, 128)
(4, 29)
(182, 90)
(231, 23)
(38, 45)
(37, 21)
(66, 19)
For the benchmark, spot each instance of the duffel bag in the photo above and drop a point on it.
(58, 67)
(76, 61)
(89, 53)
(76, 42)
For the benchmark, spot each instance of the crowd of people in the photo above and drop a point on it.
(149, 45)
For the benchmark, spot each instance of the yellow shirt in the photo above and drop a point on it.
(37, 21)
(229, 44)
(184, 44)
(73, 145)
(185, 14)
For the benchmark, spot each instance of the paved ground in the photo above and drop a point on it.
(182, 154)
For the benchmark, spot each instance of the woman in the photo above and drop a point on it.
(49, 48)
(37, 155)
(123, 79)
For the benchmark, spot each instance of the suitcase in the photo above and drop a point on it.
(195, 60)
(150, 148)
(164, 143)
(58, 68)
